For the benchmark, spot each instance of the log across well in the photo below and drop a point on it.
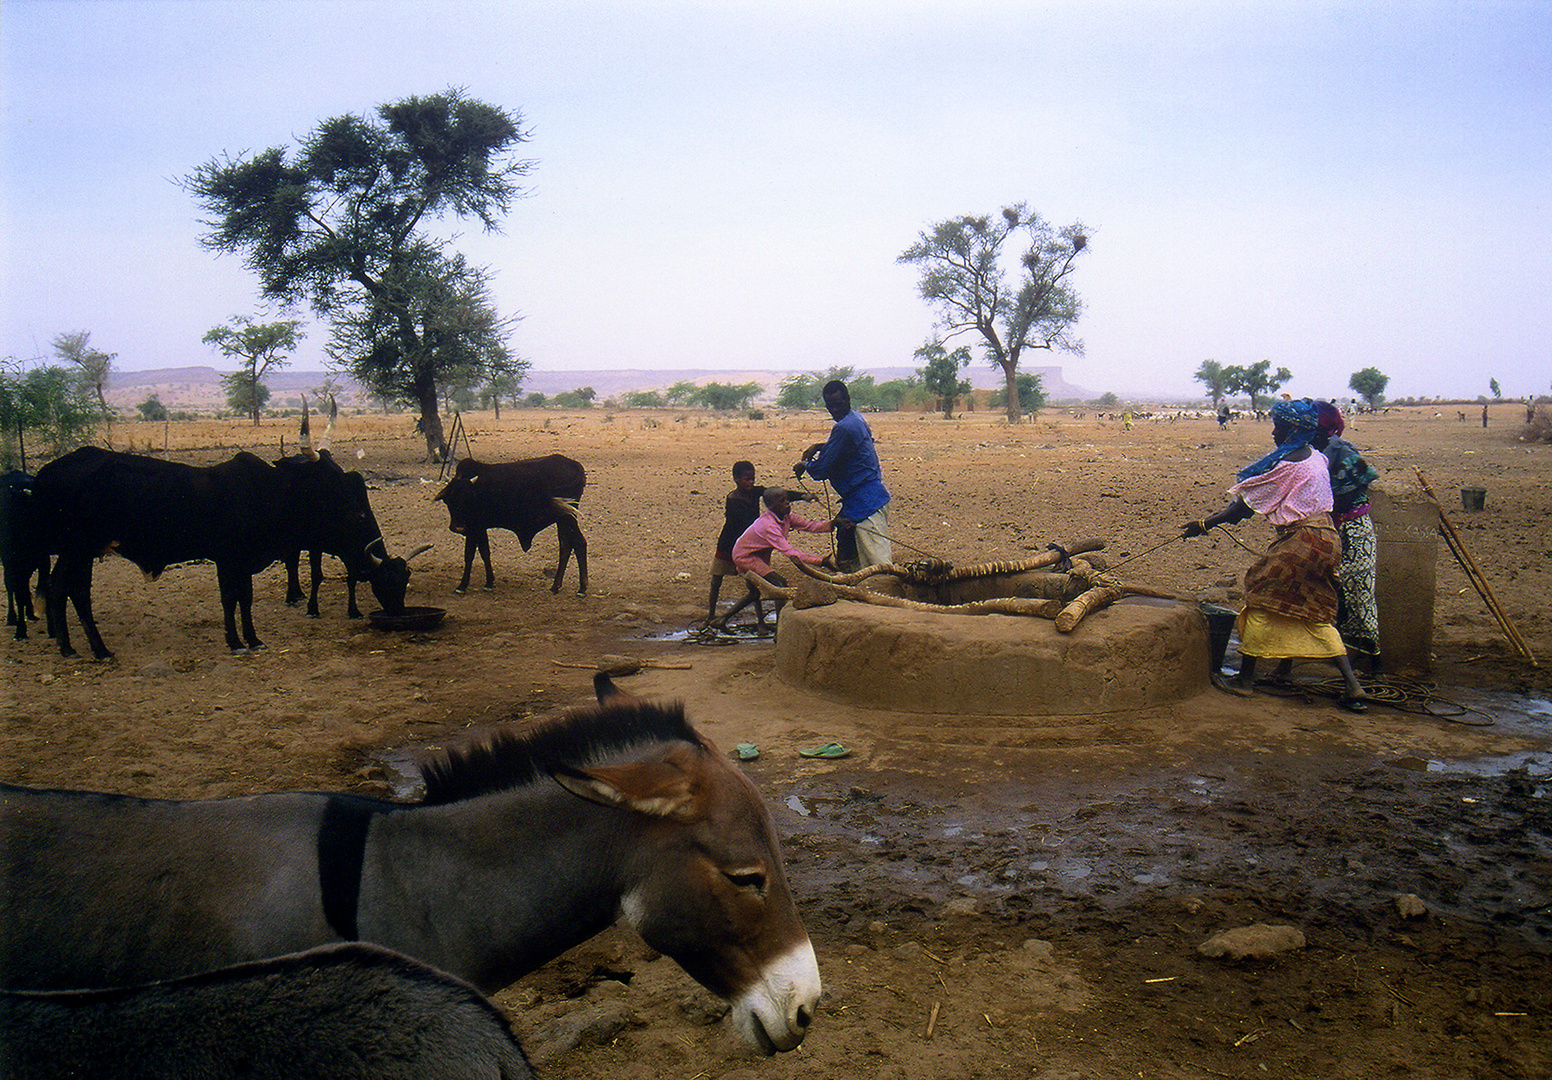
(1134, 654)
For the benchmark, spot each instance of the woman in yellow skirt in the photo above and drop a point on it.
(1291, 591)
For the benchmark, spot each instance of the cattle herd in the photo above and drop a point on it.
(339, 1008)
(244, 515)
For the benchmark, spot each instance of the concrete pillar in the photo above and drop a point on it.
(1407, 529)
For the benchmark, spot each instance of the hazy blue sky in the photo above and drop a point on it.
(1328, 185)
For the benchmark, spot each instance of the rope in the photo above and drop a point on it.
(1150, 551)
(1392, 691)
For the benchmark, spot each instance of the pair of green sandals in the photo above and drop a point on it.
(748, 751)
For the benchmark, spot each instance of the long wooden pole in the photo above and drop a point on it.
(1469, 565)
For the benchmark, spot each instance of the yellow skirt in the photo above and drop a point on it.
(1269, 636)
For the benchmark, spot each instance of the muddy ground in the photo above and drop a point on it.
(1006, 896)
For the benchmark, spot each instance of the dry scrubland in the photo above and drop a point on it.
(930, 859)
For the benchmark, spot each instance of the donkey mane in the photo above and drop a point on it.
(507, 759)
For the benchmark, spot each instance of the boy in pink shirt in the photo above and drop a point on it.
(769, 534)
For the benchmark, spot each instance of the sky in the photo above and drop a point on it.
(727, 185)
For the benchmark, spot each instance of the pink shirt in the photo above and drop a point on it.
(768, 533)
(1289, 491)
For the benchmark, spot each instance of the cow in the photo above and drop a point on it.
(242, 514)
(524, 497)
(21, 551)
(396, 566)
(318, 545)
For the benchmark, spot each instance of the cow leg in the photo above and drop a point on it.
(579, 543)
(55, 606)
(237, 591)
(571, 538)
(315, 564)
(14, 615)
(42, 593)
(490, 573)
(469, 545)
(75, 581)
(351, 612)
(293, 579)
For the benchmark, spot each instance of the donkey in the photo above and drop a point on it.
(340, 1012)
(525, 845)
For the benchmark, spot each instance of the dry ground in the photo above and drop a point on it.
(987, 898)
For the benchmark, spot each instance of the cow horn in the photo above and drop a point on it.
(307, 435)
(419, 549)
(328, 429)
(375, 560)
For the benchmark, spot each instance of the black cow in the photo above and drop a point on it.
(524, 497)
(242, 514)
(22, 552)
(317, 546)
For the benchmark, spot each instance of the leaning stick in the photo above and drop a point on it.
(623, 665)
(1474, 573)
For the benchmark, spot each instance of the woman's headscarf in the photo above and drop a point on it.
(1330, 417)
(1304, 420)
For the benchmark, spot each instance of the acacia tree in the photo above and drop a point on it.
(941, 374)
(1371, 383)
(93, 367)
(50, 404)
(1256, 378)
(344, 225)
(964, 277)
(1218, 379)
(439, 333)
(257, 347)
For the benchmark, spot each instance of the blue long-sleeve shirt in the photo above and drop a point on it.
(850, 462)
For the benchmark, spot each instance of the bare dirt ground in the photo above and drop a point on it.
(988, 896)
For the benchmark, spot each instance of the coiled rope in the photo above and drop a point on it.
(1392, 691)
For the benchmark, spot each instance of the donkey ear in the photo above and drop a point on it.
(656, 788)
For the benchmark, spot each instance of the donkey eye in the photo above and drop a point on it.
(747, 879)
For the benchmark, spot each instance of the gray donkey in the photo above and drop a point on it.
(340, 1012)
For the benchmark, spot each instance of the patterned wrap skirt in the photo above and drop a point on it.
(1359, 617)
(1291, 594)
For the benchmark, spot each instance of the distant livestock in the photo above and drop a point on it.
(524, 497)
(22, 552)
(529, 841)
(242, 514)
(341, 1012)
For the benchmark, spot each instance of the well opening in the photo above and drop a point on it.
(1136, 653)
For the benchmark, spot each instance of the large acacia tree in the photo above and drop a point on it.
(343, 225)
(963, 274)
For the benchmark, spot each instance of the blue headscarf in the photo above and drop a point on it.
(1303, 418)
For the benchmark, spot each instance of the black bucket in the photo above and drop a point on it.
(1220, 626)
(1473, 499)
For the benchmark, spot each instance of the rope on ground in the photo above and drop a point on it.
(1392, 691)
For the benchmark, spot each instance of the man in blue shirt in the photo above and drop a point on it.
(849, 461)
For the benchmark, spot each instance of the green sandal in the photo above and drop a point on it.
(828, 750)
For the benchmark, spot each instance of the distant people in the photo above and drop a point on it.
(1223, 416)
(1358, 618)
(849, 461)
(739, 511)
(1291, 592)
(1126, 420)
(1484, 414)
(769, 534)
